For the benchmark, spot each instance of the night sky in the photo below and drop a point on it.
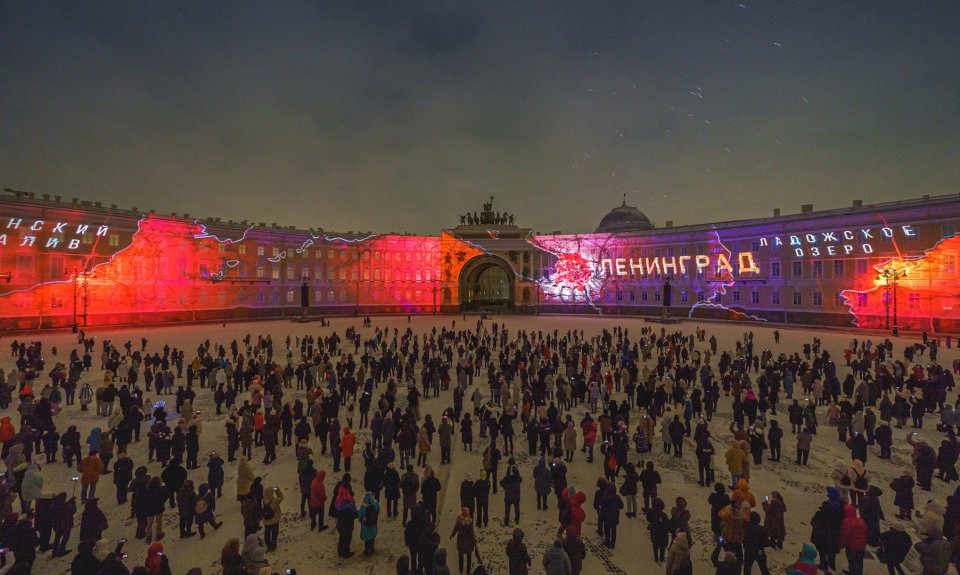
(398, 116)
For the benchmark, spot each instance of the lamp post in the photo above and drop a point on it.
(73, 328)
(894, 276)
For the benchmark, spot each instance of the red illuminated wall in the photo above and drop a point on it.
(927, 296)
(174, 270)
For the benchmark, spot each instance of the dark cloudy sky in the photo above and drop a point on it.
(392, 115)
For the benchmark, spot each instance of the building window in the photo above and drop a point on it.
(949, 265)
(839, 268)
(700, 296)
(656, 295)
(633, 296)
(947, 230)
(643, 297)
(291, 272)
(87, 239)
(862, 266)
(619, 295)
(736, 296)
(775, 298)
(861, 299)
(113, 240)
(700, 250)
(798, 269)
(913, 300)
(290, 296)
(259, 250)
(755, 297)
(25, 265)
(755, 246)
(275, 274)
(838, 299)
(774, 269)
(817, 298)
(817, 269)
(797, 298)
(276, 252)
(683, 296)
(259, 270)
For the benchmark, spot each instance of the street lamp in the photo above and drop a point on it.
(893, 276)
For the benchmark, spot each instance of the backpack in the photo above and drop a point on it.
(268, 513)
(370, 516)
(860, 482)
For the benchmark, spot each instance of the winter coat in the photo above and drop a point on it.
(678, 556)
(517, 555)
(825, 526)
(903, 488)
(542, 480)
(735, 459)
(773, 521)
(90, 468)
(853, 530)
(245, 477)
(935, 553)
(368, 532)
(556, 561)
(570, 438)
(318, 491)
(32, 484)
(896, 545)
(254, 554)
(807, 563)
(273, 499)
(464, 532)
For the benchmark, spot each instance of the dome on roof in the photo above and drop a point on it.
(624, 218)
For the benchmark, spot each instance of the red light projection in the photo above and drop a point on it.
(924, 290)
(573, 271)
(175, 270)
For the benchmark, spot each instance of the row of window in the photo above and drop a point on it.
(734, 297)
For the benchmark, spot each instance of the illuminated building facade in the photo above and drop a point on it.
(66, 263)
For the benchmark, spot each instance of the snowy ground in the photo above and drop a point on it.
(802, 488)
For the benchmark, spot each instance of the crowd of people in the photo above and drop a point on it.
(530, 410)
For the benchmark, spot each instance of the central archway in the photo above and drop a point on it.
(487, 283)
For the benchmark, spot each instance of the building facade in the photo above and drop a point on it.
(65, 263)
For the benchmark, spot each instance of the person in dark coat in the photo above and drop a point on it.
(84, 562)
(413, 534)
(481, 493)
(755, 543)
(215, 475)
(576, 551)
(173, 477)
(658, 524)
(825, 535)
(872, 513)
(428, 492)
(23, 541)
(138, 498)
(542, 483)
(517, 556)
(895, 544)
(511, 495)
(64, 511)
(122, 476)
(903, 488)
(610, 507)
(92, 522)
(467, 495)
(391, 490)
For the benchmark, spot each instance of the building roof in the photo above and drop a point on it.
(624, 218)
